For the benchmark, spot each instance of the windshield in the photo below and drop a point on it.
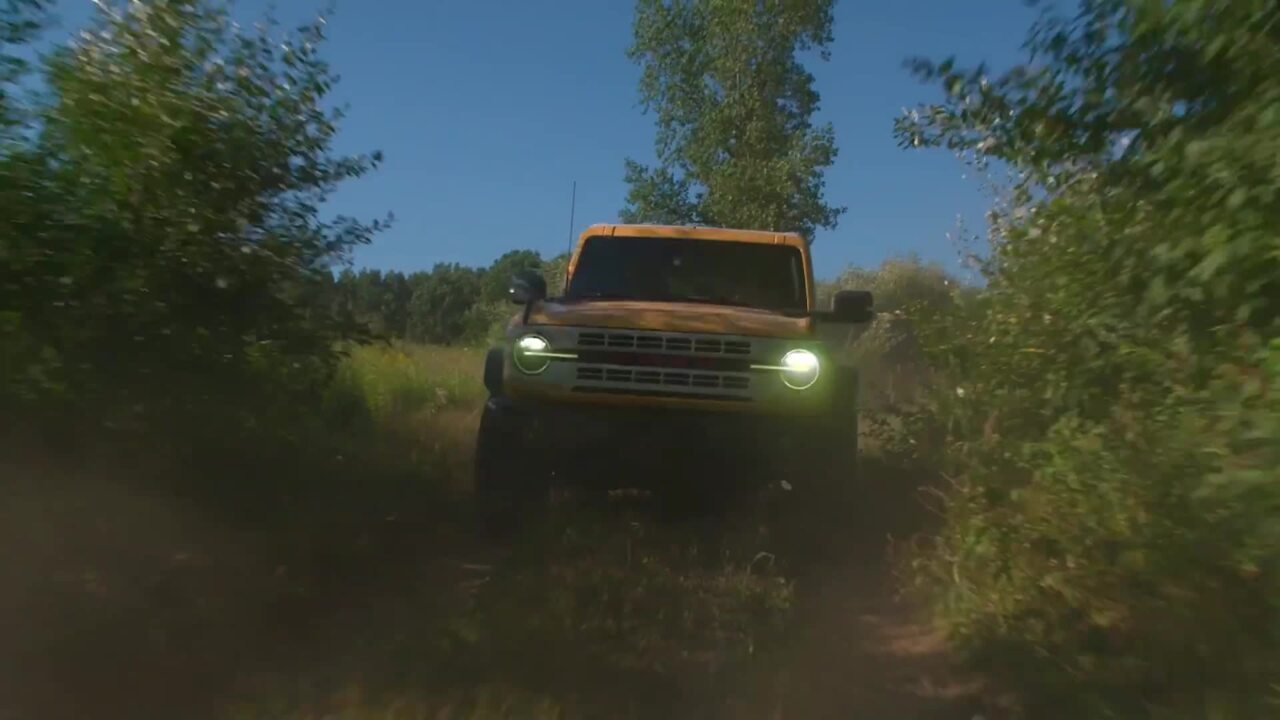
(769, 277)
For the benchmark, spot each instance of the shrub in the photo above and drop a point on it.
(1109, 401)
(162, 239)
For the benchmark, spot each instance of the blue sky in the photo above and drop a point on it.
(488, 110)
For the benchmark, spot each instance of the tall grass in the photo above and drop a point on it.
(400, 381)
(423, 404)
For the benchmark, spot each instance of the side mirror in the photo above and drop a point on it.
(527, 287)
(852, 306)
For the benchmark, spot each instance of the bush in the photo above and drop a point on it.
(887, 353)
(900, 285)
(1109, 401)
(162, 241)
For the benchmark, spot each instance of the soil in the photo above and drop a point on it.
(116, 605)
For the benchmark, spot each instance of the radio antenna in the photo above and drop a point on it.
(573, 204)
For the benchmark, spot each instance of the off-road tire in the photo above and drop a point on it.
(510, 485)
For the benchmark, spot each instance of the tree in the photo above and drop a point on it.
(170, 227)
(397, 294)
(736, 142)
(21, 374)
(497, 277)
(554, 272)
(451, 303)
(442, 299)
(20, 22)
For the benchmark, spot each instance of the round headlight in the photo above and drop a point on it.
(531, 354)
(799, 369)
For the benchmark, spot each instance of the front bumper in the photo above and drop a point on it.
(578, 426)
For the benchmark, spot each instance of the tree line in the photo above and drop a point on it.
(447, 305)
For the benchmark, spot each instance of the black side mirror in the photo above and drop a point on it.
(852, 306)
(527, 287)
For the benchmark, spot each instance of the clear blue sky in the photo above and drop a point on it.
(488, 110)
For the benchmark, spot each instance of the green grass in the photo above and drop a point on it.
(424, 403)
(404, 381)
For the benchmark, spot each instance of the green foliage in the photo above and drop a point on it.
(497, 278)
(736, 142)
(441, 300)
(377, 300)
(162, 225)
(1109, 399)
(20, 22)
(887, 352)
(398, 381)
(899, 285)
(448, 305)
(556, 272)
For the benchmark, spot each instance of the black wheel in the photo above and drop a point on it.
(511, 485)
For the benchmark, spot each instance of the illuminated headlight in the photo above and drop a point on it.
(799, 369)
(533, 344)
(533, 354)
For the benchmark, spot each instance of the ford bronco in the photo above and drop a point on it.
(676, 358)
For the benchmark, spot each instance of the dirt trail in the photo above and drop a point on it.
(154, 634)
(862, 649)
(862, 653)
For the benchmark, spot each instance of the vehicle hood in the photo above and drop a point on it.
(670, 317)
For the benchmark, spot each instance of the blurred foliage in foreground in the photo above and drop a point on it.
(162, 222)
(1111, 402)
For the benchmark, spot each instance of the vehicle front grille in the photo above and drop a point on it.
(683, 344)
(673, 382)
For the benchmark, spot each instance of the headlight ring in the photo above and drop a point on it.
(532, 354)
(799, 369)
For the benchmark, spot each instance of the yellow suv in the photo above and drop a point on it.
(676, 358)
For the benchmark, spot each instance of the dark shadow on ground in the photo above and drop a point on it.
(117, 604)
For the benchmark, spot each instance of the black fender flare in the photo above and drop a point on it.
(843, 414)
(845, 390)
(494, 361)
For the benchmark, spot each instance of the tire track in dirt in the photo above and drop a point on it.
(863, 650)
